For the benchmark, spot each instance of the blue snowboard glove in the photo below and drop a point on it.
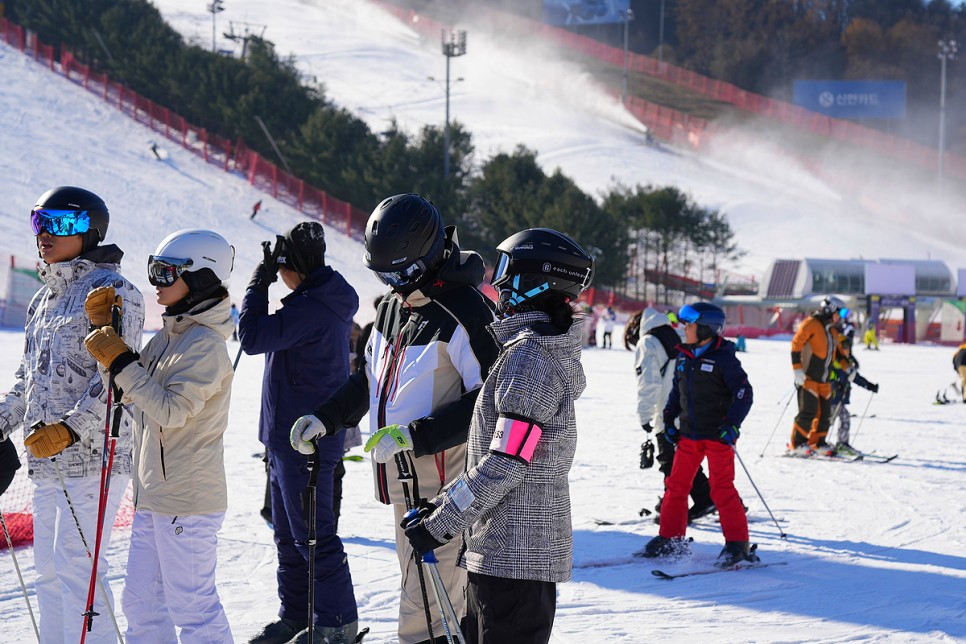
(671, 433)
(728, 434)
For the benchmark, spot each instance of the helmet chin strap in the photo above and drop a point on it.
(514, 300)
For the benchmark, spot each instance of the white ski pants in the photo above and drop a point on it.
(171, 580)
(62, 563)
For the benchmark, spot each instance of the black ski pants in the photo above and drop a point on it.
(509, 611)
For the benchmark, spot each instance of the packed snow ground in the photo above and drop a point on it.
(874, 552)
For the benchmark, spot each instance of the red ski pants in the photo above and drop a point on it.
(721, 467)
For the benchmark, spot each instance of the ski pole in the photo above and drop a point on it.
(234, 365)
(748, 474)
(16, 565)
(315, 464)
(112, 426)
(451, 624)
(787, 398)
(785, 409)
(80, 531)
(872, 395)
(405, 475)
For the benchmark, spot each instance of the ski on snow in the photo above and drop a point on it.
(867, 457)
(660, 574)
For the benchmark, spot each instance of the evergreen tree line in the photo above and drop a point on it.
(332, 149)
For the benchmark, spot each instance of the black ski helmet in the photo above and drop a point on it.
(538, 261)
(72, 198)
(709, 318)
(405, 242)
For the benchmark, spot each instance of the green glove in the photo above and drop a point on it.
(388, 441)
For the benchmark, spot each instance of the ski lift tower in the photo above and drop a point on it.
(452, 47)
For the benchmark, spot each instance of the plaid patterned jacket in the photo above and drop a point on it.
(514, 515)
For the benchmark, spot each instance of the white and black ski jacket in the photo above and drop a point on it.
(512, 505)
(425, 361)
(58, 380)
(654, 366)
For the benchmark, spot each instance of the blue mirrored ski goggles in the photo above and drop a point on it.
(688, 315)
(59, 223)
(165, 271)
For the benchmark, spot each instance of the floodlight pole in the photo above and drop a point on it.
(628, 16)
(215, 7)
(947, 51)
(453, 47)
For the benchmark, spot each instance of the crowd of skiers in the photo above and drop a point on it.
(474, 466)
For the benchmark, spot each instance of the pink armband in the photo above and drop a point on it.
(516, 437)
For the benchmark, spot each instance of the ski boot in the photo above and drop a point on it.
(734, 552)
(279, 632)
(662, 547)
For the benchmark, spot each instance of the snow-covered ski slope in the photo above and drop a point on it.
(874, 551)
(513, 93)
(53, 132)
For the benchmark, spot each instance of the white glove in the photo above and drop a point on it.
(388, 441)
(799, 377)
(303, 431)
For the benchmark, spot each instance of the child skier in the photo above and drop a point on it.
(180, 385)
(654, 359)
(512, 505)
(711, 396)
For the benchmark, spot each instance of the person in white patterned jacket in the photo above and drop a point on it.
(60, 399)
(512, 505)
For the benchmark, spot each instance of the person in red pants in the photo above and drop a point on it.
(710, 397)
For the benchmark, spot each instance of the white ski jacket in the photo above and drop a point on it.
(58, 379)
(654, 369)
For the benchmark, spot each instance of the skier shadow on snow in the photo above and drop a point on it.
(931, 601)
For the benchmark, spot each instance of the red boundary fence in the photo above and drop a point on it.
(220, 151)
(673, 125)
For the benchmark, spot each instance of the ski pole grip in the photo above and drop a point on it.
(411, 518)
(430, 558)
(116, 318)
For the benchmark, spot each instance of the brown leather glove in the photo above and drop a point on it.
(98, 305)
(105, 345)
(50, 440)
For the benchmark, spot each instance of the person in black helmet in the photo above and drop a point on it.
(710, 397)
(512, 506)
(59, 400)
(427, 356)
(306, 347)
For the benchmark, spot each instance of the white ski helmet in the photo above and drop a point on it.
(203, 257)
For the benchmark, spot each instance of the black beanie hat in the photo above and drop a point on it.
(304, 248)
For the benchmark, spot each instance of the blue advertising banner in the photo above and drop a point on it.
(853, 99)
(584, 12)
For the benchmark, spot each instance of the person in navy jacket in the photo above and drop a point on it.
(306, 347)
(710, 397)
